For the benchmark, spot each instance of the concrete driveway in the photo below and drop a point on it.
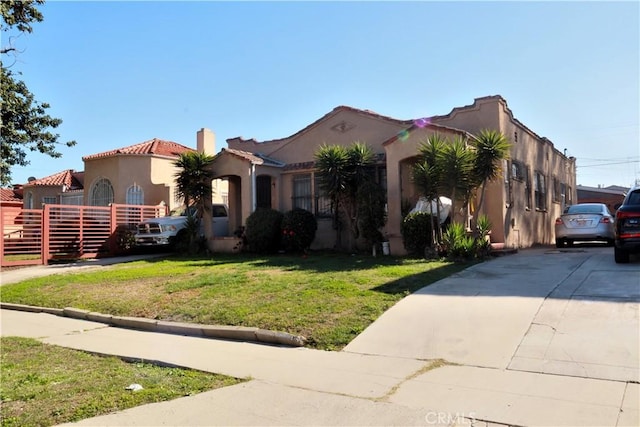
(568, 312)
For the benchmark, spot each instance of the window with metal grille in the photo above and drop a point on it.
(518, 171)
(302, 192)
(540, 191)
(527, 188)
(49, 200)
(557, 191)
(322, 202)
(101, 193)
(508, 185)
(135, 195)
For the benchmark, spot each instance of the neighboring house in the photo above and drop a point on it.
(62, 188)
(11, 197)
(610, 196)
(280, 173)
(140, 174)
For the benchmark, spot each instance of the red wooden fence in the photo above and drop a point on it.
(32, 236)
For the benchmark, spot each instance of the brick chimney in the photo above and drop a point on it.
(206, 141)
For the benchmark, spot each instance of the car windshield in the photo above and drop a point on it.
(584, 209)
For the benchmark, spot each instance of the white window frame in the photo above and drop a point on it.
(135, 195)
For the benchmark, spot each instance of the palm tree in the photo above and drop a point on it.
(193, 180)
(332, 165)
(342, 171)
(193, 184)
(491, 147)
(457, 171)
(427, 176)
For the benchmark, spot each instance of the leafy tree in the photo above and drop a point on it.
(25, 124)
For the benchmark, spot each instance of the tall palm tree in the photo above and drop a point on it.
(332, 166)
(491, 148)
(457, 171)
(427, 176)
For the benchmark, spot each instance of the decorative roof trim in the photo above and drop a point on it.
(333, 112)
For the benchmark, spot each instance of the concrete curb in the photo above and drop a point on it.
(235, 333)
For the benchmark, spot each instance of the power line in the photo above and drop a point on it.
(608, 164)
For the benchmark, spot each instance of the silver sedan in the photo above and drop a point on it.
(585, 222)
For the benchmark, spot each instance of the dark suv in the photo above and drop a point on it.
(627, 226)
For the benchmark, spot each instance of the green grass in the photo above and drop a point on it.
(327, 298)
(44, 385)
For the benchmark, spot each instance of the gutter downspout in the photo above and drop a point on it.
(253, 187)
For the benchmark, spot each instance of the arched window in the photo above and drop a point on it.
(28, 204)
(101, 193)
(135, 195)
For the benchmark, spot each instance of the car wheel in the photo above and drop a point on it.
(621, 256)
(559, 243)
(570, 243)
(610, 242)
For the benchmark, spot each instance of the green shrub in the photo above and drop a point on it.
(416, 232)
(263, 230)
(298, 230)
(459, 245)
(125, 238)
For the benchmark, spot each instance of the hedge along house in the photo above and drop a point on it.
(280, 173)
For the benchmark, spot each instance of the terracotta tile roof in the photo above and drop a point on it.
(71, 179)
(244, 155)
(9, 195)
(154, 146)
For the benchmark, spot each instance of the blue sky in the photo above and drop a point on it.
(119, 73)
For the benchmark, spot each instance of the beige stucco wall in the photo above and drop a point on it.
(302, 147)
(152, 174)
(515, 225)
(39, 192)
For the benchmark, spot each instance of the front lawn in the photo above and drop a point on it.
(44, 385)
(327, 298)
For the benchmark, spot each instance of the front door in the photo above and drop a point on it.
(263, 191)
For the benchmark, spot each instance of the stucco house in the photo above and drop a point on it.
(62, 188)
(11, 197)
(279, 174)
(139, 174)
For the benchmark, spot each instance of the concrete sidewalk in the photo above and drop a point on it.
(486, 320)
